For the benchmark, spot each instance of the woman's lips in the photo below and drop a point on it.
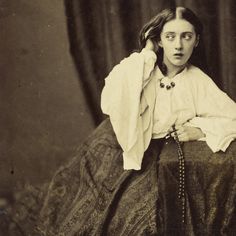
(178, 55)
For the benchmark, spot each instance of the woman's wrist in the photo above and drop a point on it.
(188, 133)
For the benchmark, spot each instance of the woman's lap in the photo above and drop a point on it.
(93, 195)
(105, 199)
(210, 183)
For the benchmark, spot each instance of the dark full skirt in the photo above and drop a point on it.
(93, 195)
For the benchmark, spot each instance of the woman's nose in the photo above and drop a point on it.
(178, 43)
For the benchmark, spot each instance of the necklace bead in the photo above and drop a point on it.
(168, 86)
(162, 85)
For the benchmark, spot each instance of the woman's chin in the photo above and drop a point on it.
(179, 63)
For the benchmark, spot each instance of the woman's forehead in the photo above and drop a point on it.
(178, 25)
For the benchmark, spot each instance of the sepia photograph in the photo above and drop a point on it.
(118, 117)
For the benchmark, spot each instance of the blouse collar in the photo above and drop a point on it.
(159, 75)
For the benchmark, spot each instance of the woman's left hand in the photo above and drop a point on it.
(187, 133)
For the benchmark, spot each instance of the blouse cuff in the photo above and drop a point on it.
(129, 163)
(218, 136)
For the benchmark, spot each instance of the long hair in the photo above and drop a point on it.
(152, 30)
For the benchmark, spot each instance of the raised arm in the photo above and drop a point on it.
(121, 98)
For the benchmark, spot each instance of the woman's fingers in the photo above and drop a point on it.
(186, 134)
(150, 45)
(178, 130)
(182, 133)
(183, 137)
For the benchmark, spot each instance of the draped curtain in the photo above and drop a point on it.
(103, 32)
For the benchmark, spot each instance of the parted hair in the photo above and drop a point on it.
(152, 30)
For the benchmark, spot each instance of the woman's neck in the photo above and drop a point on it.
(173, 73)
(172, 70)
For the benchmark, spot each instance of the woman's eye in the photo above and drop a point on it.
(170, 36)
(187, 36)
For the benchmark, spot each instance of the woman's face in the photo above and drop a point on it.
(178, 39)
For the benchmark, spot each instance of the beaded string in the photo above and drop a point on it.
(181, 192)
(168, 86)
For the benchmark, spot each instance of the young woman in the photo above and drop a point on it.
(159, 88)
(150, 97)
(161, 92)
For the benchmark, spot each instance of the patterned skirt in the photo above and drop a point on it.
(93, 195)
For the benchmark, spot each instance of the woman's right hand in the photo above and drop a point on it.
(150, 45)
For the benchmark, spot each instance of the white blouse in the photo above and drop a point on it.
(173, 106)
(196, 101)
(140, 109)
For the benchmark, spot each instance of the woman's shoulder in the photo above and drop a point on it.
(197, 75)
(194, 70)
(202, 83)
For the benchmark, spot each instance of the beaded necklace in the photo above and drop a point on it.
(168, 86)
(181, 192)
(163, 69)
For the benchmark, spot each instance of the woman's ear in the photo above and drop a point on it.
(160, 44)
(197, 41)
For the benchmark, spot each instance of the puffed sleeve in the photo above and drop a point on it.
(215, 113)
(135, 69)
(120, 100)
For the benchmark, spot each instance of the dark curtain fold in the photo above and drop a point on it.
(103, 32)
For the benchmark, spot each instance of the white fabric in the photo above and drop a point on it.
(130, 113)
(140, 110)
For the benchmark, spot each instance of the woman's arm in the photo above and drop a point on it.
(121, 100)
(215, 120)
(216, 113)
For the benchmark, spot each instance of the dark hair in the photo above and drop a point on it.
(152, 30)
